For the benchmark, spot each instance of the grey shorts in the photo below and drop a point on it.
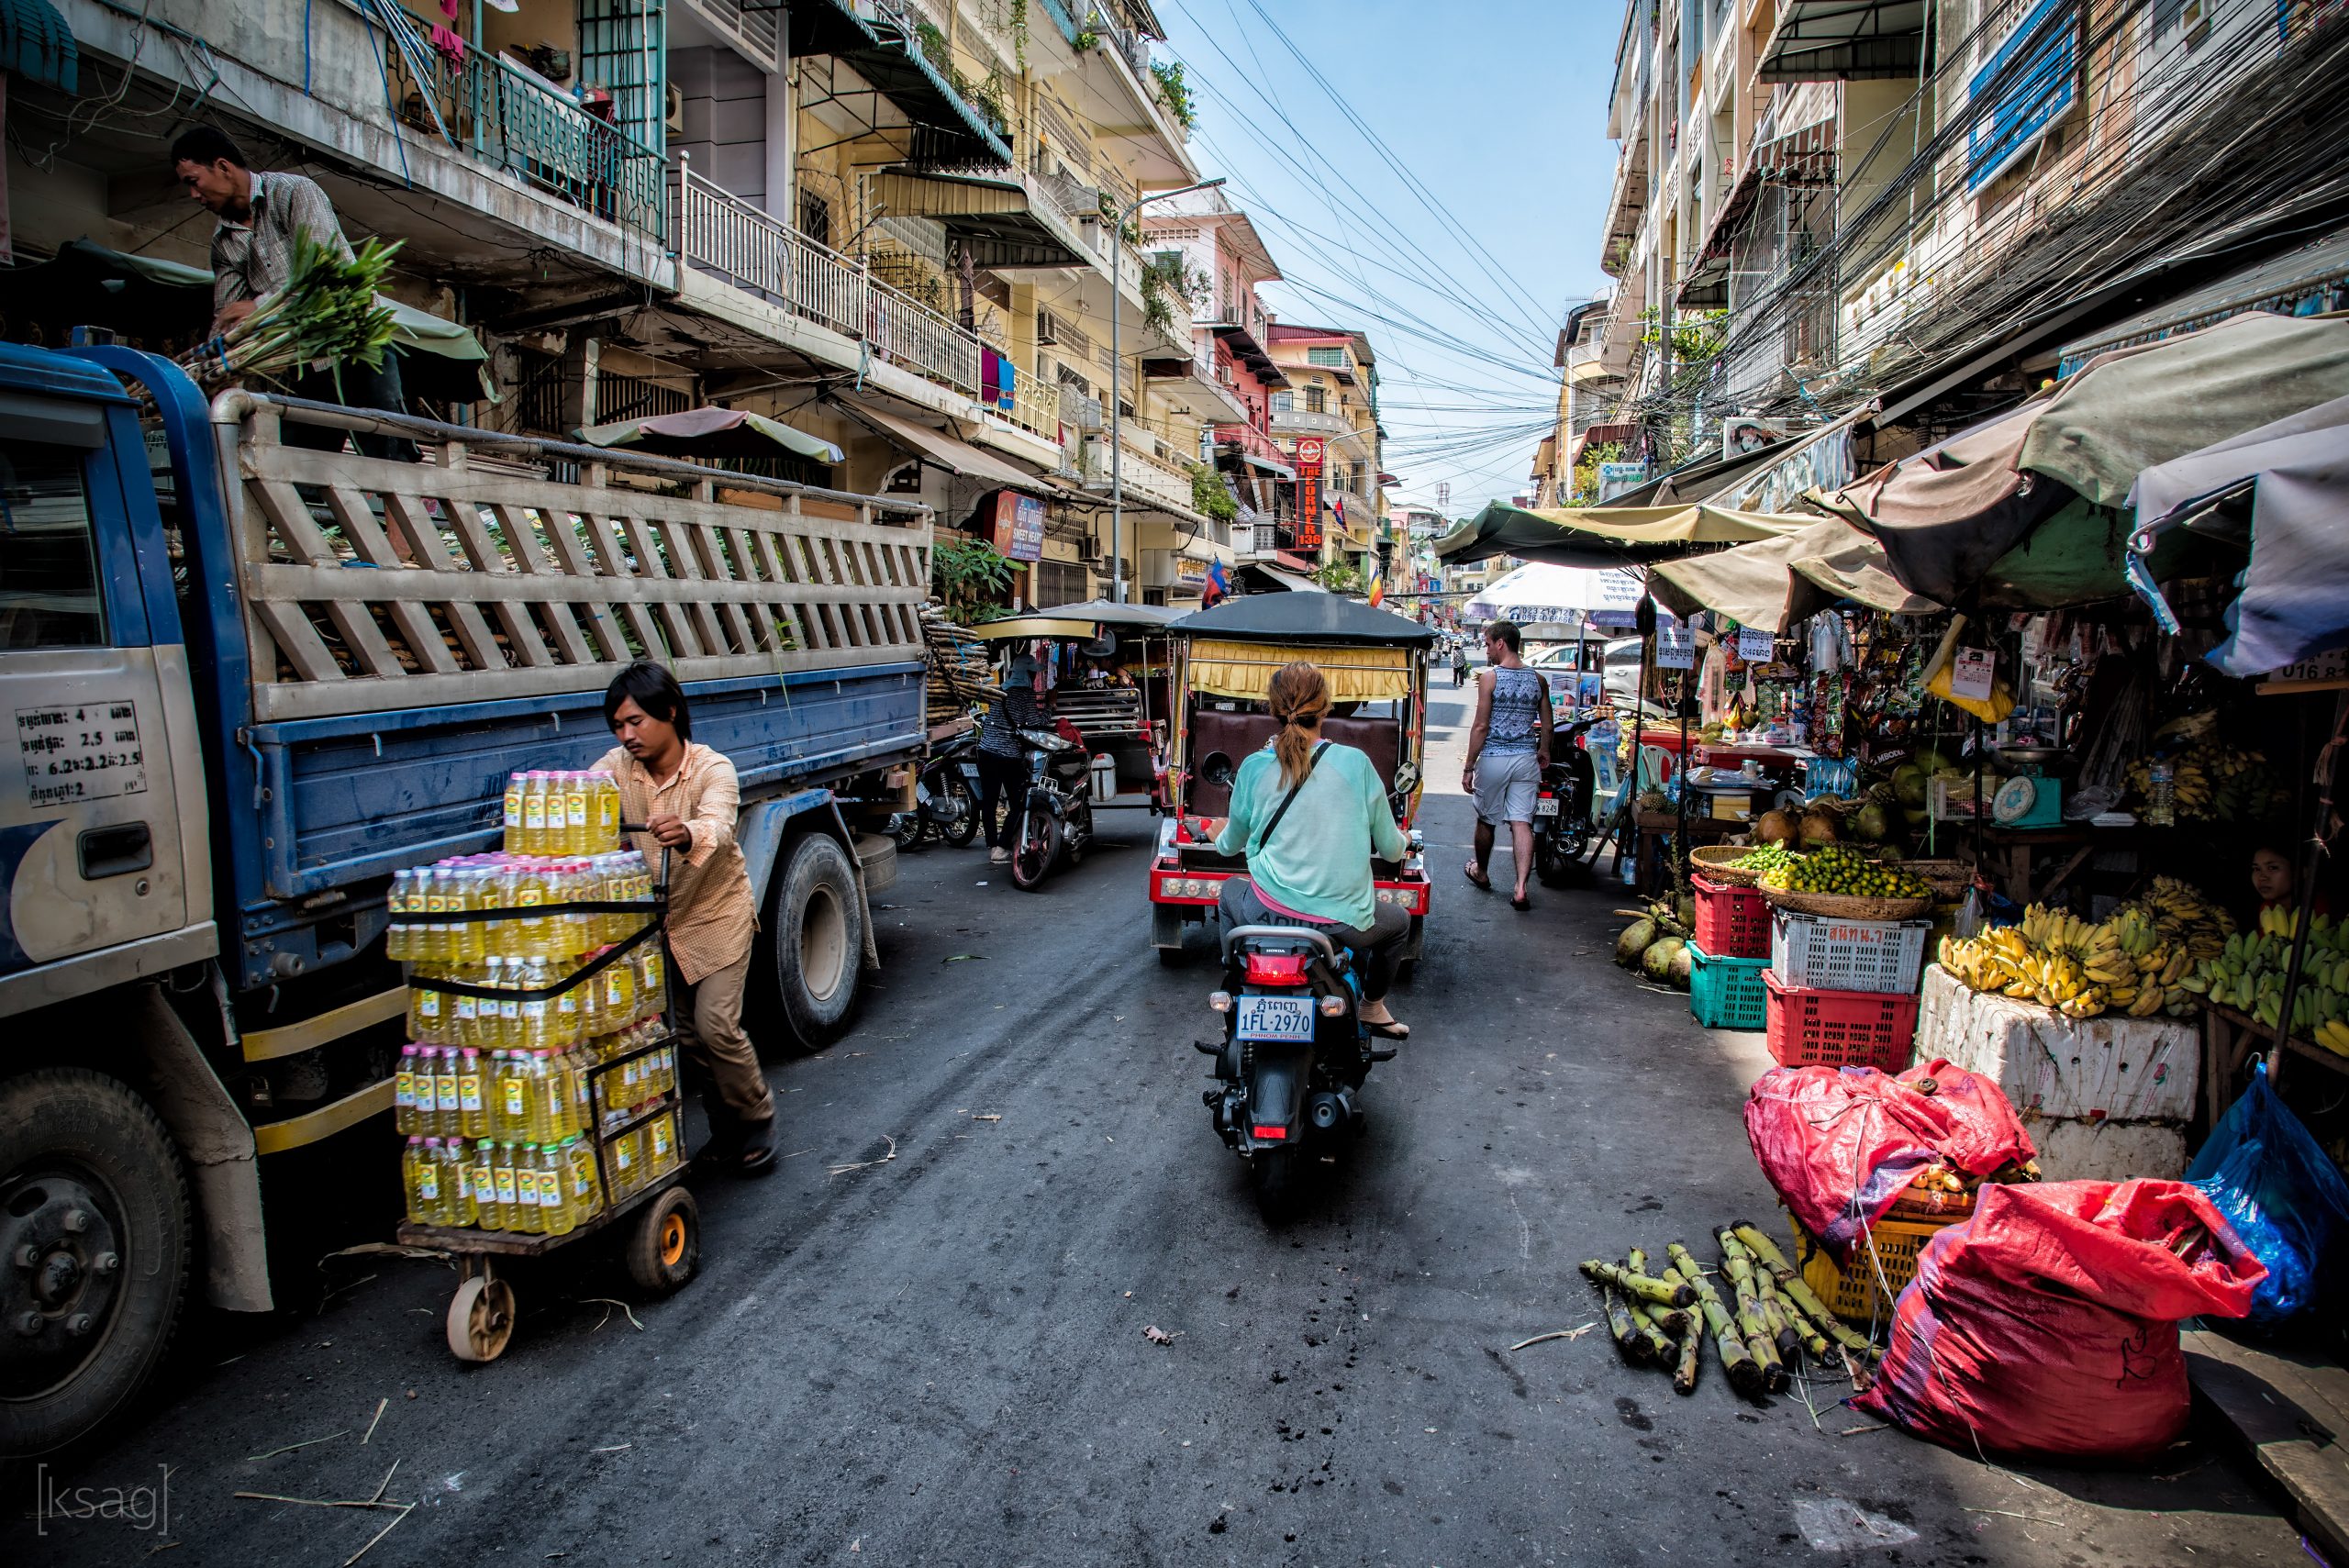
(1506, 784)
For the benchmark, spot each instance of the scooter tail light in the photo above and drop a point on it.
(1275, 969)
(1332, 1006)
(1270, 1134)
(1219, 1001)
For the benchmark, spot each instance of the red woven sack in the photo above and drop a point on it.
(1840, 1144)
(2046, 1326)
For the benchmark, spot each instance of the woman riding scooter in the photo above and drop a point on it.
(1310, 866)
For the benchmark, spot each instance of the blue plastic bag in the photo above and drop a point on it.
(2284, 1197)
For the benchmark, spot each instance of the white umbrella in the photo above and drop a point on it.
(1566, 596)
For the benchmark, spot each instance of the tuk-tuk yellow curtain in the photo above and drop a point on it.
(1245, 668)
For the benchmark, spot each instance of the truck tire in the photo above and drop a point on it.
(818, 926)
(91, 1182)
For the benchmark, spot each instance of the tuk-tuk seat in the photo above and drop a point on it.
(1237, 734)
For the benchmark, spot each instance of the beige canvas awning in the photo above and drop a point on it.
(948, 452)
(1774, 584)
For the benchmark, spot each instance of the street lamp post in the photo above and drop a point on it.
(1116, 464)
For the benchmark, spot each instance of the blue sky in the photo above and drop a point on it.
(1498, 110)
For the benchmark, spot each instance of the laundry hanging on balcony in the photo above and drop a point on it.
(997, 377)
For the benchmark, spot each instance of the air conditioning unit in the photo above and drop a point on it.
(1048, 328)
(676, 116)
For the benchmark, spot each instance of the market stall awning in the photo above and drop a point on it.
(711, 432)
(1561, 595)
(2023, 510)
(939, 448)
(1282, 580)
(2304, 281)
(2290, 480)
(1087, 619)
(1774, 584)
(1605, 536)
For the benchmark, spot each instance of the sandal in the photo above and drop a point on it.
(1390, 1029)
(1476, 877)
(1519, 902)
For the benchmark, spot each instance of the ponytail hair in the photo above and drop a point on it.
(1298, 697)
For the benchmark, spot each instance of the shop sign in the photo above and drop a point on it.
(1309, 492)
(1189, 571)
(2326, 672)
(1675, 645)
(1614, 478)
(1755, 646)
(1019, 526)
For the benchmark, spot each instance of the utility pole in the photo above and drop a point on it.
(1117, 385)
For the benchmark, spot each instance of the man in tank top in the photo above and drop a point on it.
(1508, 748)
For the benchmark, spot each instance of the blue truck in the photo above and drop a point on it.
(249, 675)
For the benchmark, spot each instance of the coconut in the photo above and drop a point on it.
(1908, 783)
(1657, 959)
(1683, 962)
(1870, 822)
(1819, 828)
(1774, 827)
(1635, 941)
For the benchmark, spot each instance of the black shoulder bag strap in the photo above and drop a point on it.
(1289, 799)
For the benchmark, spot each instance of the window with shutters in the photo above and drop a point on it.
(1281, 402)
(1061, 583)
(1317, 399)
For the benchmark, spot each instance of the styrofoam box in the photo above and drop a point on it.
(2110, 1068)
(2075, 1151)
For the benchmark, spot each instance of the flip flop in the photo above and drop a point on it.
(1518, 902)
(1390, 1029)
(1471, 873)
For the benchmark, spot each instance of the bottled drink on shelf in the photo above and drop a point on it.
(457, 1205)
(488, 1214)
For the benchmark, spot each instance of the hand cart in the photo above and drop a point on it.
(663, 1246)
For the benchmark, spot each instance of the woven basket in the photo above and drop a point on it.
(1948, 878)
(1841, 906)
(1714, 860)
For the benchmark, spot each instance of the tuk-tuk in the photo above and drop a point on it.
(1376, 664)
(1109, 667)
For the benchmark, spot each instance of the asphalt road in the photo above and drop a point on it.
(924, 1340)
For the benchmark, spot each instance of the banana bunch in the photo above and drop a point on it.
(2126, 964)
(2210, 783)
(2185, 918)
(2248, 971)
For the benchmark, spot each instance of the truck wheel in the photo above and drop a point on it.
(816, 923)
(94, 1237)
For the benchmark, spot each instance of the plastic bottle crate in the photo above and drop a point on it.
(1732, 922)
(1808, 1027)
(1725, 992)
(1854, 1294)
(1828, 954)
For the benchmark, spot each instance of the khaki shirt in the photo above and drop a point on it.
(712, 917)
(255, 258)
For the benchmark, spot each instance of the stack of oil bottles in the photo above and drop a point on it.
(507, 1099)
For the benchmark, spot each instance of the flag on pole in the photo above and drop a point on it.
(1377, 585)
(1218, 587)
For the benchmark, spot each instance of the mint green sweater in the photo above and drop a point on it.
(1317, 860)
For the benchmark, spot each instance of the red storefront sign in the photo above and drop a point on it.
(1309, 451)
(1019, 526)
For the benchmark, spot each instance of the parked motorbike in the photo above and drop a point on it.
(1562, 812)
(1293, 1057)
(946, 796)
(1056, 814)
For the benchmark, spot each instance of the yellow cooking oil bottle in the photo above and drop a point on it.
(509, 1201)
(577, 811)
(456, 1185)
(513, 814)
(607, 813)
(579, 1161)
(554, 1193)
(483, 1182)
(661, 1144)
(472, 1110)
(534, 814)
(412, 1177)
(448, 1095)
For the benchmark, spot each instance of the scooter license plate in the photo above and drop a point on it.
(1546, 807)
(1275, 1018)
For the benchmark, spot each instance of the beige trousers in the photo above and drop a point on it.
(709, 1018)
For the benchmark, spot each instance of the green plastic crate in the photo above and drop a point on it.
(1726, 993)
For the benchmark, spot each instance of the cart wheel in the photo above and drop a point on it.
(665, 1249)
(481, 1319)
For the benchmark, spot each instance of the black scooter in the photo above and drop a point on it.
(1293, 1057)
(1563, 824)
(1055, 821)
(946, 797)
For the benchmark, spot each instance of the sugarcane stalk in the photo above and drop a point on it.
(1692, 1340)
(1743, 1371)
(1802, 1334)
(1638, 1286)
(1672, 1321)
(1619, 1323)
(1739, 1266)
(1797, 1290)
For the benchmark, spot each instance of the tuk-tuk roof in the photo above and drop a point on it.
(1323, 619)
(1077, 620)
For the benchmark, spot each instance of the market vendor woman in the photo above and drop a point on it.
(686, 795)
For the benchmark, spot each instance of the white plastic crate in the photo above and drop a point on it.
(1816, 953)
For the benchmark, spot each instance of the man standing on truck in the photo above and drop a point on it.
(260, 211)
(686, 795)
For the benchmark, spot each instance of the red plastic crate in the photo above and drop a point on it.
(1732, 922)
(1837, 1028)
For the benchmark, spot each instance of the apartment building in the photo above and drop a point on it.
(1590, 427)
(1327, 421)
(906, 225)
(1839, 231)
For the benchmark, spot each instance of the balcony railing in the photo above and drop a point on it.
(1141, 475)
(720, 233)
(1305, 422)
(1252, 441)
(513, 120)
